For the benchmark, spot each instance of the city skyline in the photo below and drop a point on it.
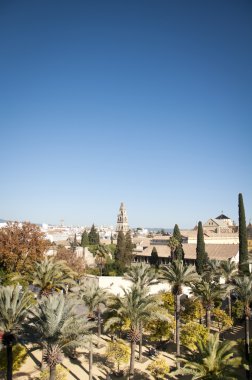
(104, 102)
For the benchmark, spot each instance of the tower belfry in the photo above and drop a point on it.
(122, 220)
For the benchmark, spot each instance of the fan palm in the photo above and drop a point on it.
(209, 293)
(243, 288)
(178, 275)
(14, 305)
(213, 360)
(57, 327)
(135, 306)
(51, 275)
(229, 270)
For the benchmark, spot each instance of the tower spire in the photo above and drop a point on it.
(122, 219)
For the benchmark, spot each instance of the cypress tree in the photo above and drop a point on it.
(120, 249)
(243, 241)
(154, 259)
(128, 249)
(84, 239)
(93, 236)
(177, 234)
(178, 253)
(201, 255)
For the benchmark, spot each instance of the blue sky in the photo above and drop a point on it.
(146, 102)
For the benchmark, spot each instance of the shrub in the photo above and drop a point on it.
(191, 309)
(159, 368)
(223, 320)
(61, 373)
(19, 356)
(118, 352)
(238, 309)
(193, 332)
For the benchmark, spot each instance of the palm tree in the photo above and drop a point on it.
(173, 243)
(213, 360)
(93, 297)
(135, 306)
(209, 293)
(14, 305)
(51, 275)
(229, 270)
(57, 328)
(178, 275)
(212, 271)
(243, 289)
(144, 276)
(101, 256)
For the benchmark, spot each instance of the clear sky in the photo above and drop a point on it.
(146, 102)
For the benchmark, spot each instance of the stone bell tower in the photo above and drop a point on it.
(122, 220)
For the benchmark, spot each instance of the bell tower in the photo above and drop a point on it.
(122, 220)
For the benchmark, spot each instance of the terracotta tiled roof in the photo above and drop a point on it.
(215, 251)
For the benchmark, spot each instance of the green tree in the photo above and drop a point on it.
(154, 259)
(213, 360)
(229, 271)
(84, 239)
(14, 305)
(19, 355)
(176, 234)
(222, 319)
(243, 241)
(179, 253)
(93, 236)
(135, 306)
(128, 252)
(49, 275)
(120, 250)
(94, 298)
(160, 326)
(55, 325)
(159, 368)
(143, 276)
(118, 352)
(173, 243)
(243, 289)
(178, 275)
(201, 255)
(73, 243)
(192, 310)
(193, 332)
(209, 293)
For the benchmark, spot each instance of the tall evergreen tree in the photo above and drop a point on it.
(177, 234)
(84, 239)
(128, 249)
(120, 249)
(201, 255)
(243, 241)
(154, 259)
(178, 253)
(93, 236)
